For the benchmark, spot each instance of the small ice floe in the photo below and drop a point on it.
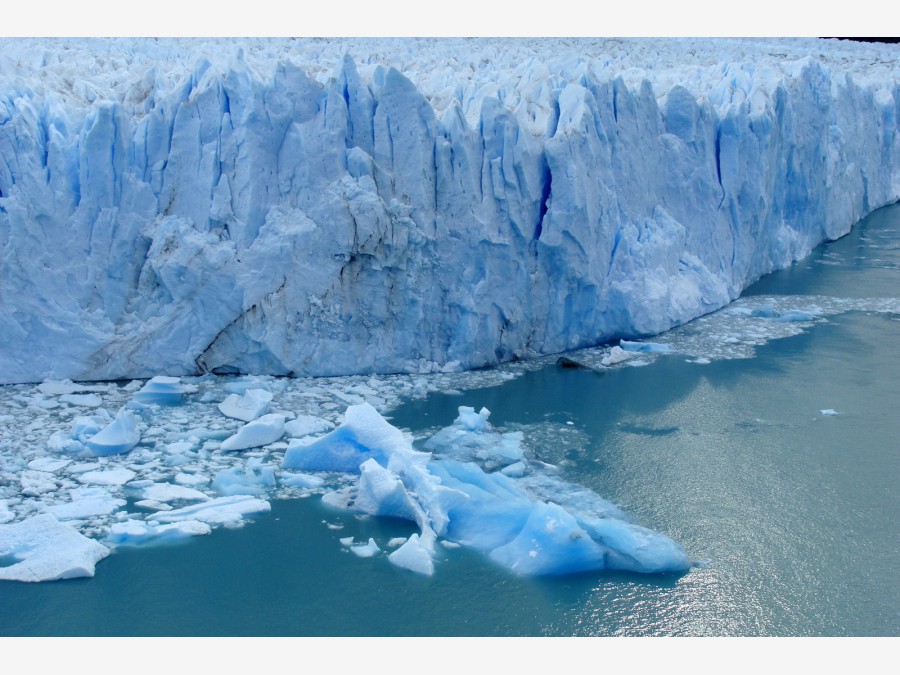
(168, 492)
(219, 511)
(616, 355)
(85, 400)
(768, 311)
(191, 479)
(161, 390)
(828, 412)
(414, 555)
(366, 550)
(251, 479)
(106, 477)
(516, 470)
(49, 464)
(36, 483)
(87, 502)
(267, 429)
(397, 541)
(47, 549)
(117, 438)
(247, 406)
(136, 532)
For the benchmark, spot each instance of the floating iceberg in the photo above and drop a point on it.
(47, 549)
(248, 406)
(161, 390)
(449, 495)
(267, 429)
(136, 532)
(118, 437)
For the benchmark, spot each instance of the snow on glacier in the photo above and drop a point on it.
(330, 207)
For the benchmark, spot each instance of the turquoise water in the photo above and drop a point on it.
(793, 515)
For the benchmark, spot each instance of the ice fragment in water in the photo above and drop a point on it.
(46, 549)
(248, 406)
(161, 390)
(120, 436)
(267, 429)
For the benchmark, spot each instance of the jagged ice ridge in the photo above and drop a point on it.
(330, 207)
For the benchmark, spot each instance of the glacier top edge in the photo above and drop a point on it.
(83, 71)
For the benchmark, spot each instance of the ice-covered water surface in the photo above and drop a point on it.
(147, 462)
(331, 207)
(170, 458)
(150, 461)
(774, 473)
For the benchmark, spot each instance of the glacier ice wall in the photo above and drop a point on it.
(328, 207)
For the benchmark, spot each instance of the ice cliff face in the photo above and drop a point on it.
(334, 207)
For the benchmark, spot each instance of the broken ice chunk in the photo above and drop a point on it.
(220, 511)
(120, 436)
(413, 555)
(36, 483)
(249, 480)
(86, 502)
(366, 550)
(136, 532)
(86, 400)
(161, 390)
(167, 492)
(616, 355)
(106, 477)
(46, 550)
(267, 429)
(246, 407)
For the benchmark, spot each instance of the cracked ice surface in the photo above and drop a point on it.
(333, 206)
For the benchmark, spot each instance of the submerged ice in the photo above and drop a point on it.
(336, 206)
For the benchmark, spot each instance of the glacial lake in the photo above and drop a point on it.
(777, 473)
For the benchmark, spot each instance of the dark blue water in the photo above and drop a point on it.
(794, 513)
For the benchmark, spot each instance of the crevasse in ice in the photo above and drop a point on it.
(326, 207)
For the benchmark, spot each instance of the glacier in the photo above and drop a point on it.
(323, 207)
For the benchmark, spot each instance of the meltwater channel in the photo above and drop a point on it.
(776, 471)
